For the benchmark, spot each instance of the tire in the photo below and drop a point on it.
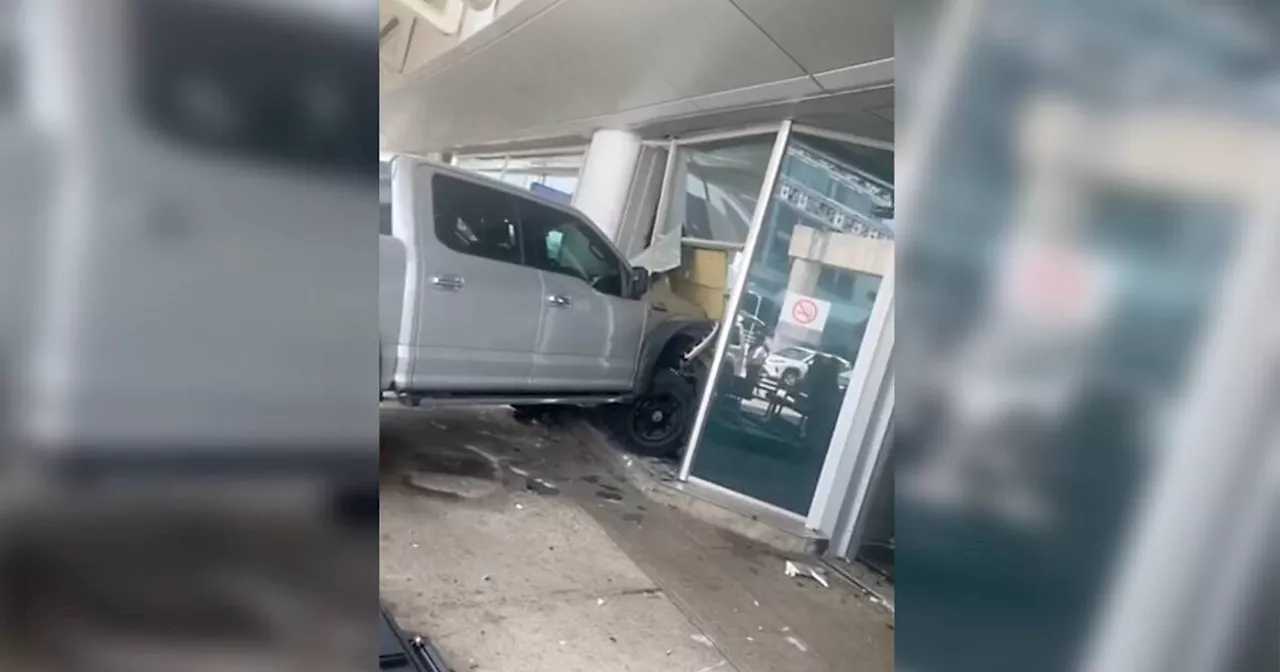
(657, 423)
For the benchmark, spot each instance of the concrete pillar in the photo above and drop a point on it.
(606, 178)
(804, 276)
(474, 19)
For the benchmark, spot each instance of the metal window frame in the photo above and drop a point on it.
(839, 136)
(495, 154)
(716, 135)
(870, 474)
(734, 495)
(673, 146)
(841, 477)
(664, 194)
(771, 173)
(851, 459)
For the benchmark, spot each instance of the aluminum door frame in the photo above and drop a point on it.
(854, 454)
(771, 173)
(866, 382)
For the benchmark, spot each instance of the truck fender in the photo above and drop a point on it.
(656, 344)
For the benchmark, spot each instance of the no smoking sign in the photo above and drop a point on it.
(806, 311)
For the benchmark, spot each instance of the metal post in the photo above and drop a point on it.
(664, 195)
(739, 288)
(870, 374)
(848, 534)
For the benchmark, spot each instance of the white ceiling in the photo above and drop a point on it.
(563, 68)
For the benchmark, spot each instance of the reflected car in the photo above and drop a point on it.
(789, 365)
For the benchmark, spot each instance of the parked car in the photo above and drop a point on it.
(789, 365)
(493, 294)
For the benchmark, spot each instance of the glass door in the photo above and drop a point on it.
(812, 275)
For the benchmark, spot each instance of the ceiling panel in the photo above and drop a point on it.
(585, 58)
(860, 76)
(826, 34)
(576, 65)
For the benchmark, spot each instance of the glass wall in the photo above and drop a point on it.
(721, 183)
(824, 246)
(709, 196)
(554, 176)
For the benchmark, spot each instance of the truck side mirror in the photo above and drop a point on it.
(640, 282)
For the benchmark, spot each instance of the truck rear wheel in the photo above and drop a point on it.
(657, 423)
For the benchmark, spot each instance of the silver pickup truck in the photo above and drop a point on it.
(492, 294)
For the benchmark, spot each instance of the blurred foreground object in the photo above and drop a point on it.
(1090, 247)
(187, 330)
(207, 282)
(400, 651)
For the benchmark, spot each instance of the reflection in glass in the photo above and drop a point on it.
(721, 183)
(825, 245)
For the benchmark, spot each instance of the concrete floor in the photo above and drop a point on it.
(514, 548)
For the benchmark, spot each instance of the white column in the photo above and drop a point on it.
(606, 178)
(475, 19)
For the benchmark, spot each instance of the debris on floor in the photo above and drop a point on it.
(541, 486)
(794, 569)
(600, 543)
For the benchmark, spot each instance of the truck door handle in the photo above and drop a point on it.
(451, 283)
(560, 301)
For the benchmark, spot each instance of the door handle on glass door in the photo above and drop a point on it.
(560, 300)
(448, 282)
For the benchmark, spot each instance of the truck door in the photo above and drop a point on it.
(475, 306)
(591, 330)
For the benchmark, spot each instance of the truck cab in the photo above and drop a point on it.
(505, 293)
(493, 294)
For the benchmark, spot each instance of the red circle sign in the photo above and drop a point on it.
(804, 311)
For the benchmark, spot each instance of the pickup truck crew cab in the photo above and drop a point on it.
(492, 294)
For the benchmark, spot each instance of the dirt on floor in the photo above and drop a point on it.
(514, 547)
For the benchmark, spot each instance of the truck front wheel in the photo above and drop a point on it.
(657, 423)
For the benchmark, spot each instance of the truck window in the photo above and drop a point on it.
(561, 243)
(475, 220)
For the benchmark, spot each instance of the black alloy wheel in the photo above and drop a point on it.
(655, 418)
(657, 422)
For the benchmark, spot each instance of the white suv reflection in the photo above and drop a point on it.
(789, 365)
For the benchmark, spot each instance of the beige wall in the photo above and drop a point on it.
(811, 249)
(843, 250)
